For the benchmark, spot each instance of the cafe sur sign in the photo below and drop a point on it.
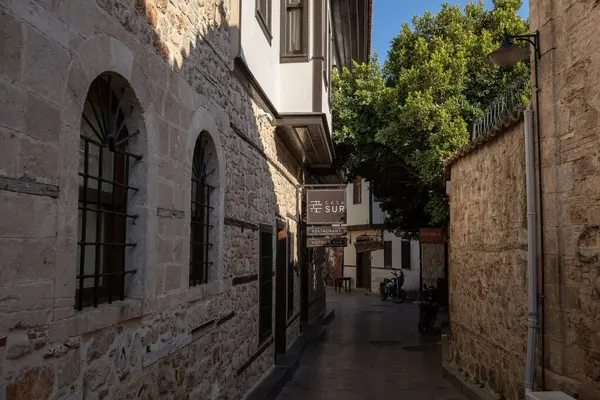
(326, 206)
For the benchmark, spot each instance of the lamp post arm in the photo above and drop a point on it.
(533, 39)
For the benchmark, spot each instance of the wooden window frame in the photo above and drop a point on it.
(265, 283)
(264, 17)
(357, 190)
(302, 56)
(387, 255)
(327, 52)
(405, 254)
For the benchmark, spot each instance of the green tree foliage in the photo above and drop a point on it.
(394, 126)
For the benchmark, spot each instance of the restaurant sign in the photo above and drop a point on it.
(326, 230)
(326, 242)
(431, 235)
(325, 206)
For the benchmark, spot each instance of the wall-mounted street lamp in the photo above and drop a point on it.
(507, 55)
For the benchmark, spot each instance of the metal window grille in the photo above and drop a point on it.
(290, 276)
(103, 195)
(265, 282)
(200, 244)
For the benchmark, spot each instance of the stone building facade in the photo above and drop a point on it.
(569, 93)
(130, 112)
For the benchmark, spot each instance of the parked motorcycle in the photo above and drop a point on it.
(392, 287)
(428, 309)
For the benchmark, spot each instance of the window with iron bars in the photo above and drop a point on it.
(104, 168)
(200, 224)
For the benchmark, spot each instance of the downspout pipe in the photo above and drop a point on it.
(532, 256)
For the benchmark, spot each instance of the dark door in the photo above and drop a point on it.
(280, 289)
(363, 270)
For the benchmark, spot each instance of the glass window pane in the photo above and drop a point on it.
(294, 30)
(89, 265)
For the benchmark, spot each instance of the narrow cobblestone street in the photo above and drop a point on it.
(371, 350)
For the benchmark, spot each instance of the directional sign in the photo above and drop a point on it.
(326, 230)
(327, 242)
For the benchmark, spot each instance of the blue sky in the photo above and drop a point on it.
(389, 15)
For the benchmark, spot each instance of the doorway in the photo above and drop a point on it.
(363, 270)
(281, 288)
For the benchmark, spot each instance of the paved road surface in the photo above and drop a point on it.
(371, 351)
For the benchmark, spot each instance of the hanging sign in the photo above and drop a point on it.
(326, 242)
(431, 235)
(326, 230)
(325, 206)
(368, 245)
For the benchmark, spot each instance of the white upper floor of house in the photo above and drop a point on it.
(289, 48)
(362, 207)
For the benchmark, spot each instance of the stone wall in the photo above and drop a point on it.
(165, 340)
(487, 264)
(569, 106)
(432, 263)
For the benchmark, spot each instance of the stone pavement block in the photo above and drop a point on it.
(372, 351)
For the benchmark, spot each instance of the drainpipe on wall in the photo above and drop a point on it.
(532, 243)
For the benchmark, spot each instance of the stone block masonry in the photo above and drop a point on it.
(487, 264)
(165, 340)
(569, 106)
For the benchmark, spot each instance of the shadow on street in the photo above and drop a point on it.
(371, 350)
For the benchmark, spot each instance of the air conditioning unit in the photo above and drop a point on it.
(548, 396)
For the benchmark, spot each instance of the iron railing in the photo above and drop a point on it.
(511, 101)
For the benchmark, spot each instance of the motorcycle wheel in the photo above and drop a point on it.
(423, 323)
(399, 298)
(383, 294)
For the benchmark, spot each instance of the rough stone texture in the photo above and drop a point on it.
(487, 265)
(432, 261)
(36, 383)
(175, 63)
(569, 106)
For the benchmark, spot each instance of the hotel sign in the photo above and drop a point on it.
(325, 206)
(326, 242)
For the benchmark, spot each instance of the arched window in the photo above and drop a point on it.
(104, 172)
(202, 221)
